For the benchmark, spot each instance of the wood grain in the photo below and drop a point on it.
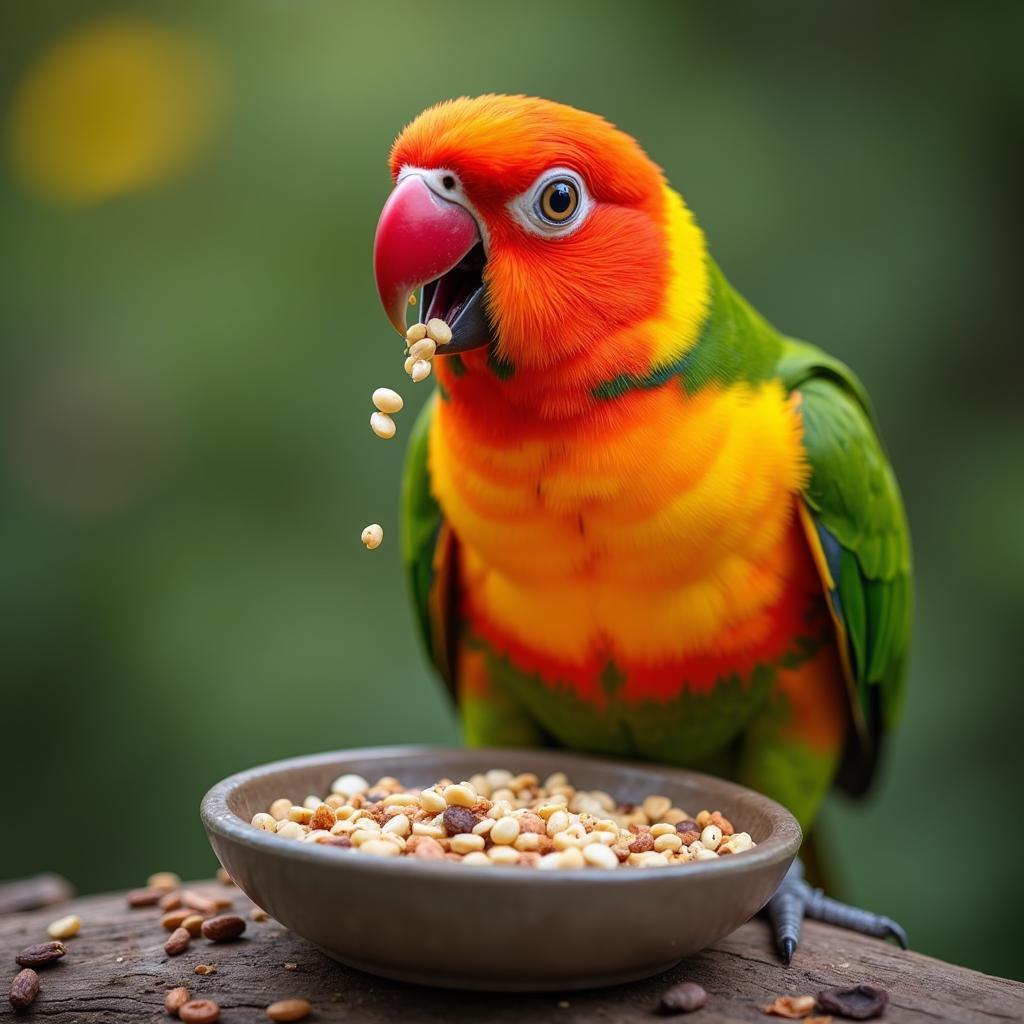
(116, 968)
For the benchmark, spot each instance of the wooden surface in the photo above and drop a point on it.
(116, 969)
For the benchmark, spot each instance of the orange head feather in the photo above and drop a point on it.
(549, 288)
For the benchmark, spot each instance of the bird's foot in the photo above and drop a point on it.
(795, 899)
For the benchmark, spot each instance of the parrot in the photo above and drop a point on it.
(637, 519)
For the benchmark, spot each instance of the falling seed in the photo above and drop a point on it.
(439, 331)
(423, 349)
(420, 371)
(388, 401)
(412, 300)
(382, 424)
(415, 332)
(372, 536)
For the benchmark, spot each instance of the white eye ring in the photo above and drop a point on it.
(526, 208)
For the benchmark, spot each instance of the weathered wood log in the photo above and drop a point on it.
(117, 968)
(31, 893)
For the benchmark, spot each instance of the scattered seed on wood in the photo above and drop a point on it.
(193, 924)
(166, 880)
(288, 1009)
(683, 998)
(372, 536)
(170, 902)
(41, 954)
(258, 914)
(175, 999)
(24, 989)
(198, 903)
(291, 967)
(206, 969)
(176, 918)
(199, 1011)
(861, 1002)
(65, 927)
(145, 897)
(178, 942)
(223, 928)
(223, 877)
(790, 1007)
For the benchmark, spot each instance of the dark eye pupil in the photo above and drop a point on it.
(560, 198)
(448, 181)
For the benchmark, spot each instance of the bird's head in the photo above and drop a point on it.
(527, 223)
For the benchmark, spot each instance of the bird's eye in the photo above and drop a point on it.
(559, 201)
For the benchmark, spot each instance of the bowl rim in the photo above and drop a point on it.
(218, 818)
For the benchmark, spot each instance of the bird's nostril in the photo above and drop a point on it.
(448, 181)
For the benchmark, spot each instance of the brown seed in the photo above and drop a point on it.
(861, 1002)
(224, 927)
(288, 1009)
(224, 878)
(145, 897)
(178, 942)
(166, 880)
(458, 820)
(24, 988)
(170, 902)
(259, 914)
(790, 1007)
(206, 968)
(291, 967)
(643, 843)
(199, 1011)
(193, 924)
(40, 955)
(688, 825)
(176, 918)
(204, 906)
(323, 817)
(175, 999)
(683, 998)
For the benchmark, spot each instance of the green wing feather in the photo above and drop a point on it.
(428, 550)
(858, 531)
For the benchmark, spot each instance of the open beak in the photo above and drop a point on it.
(426, 241)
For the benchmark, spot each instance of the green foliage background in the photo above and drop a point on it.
(185, 463)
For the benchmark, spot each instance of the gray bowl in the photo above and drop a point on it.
(501, 928)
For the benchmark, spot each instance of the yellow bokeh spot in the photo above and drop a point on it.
(112, 108)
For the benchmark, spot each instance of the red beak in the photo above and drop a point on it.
(420, 236)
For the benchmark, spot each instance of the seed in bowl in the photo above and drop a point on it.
(496, 818)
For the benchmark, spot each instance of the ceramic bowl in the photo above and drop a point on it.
(500, 928)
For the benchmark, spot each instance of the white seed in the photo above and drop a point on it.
(372, 536)
(572, 858)
(459, 795)
(415, 332)
(663, 829)
(500, 809)
(711, 837)
(379, 848)
(505, 830)
(317, 835)
(267, 822)
(439, 331)
(480, 785)
(408, 365)
(478, 859)
(290, 829)
(300, 814)
(432, 801)
(546, 810)
(425, 828)
(349, 785)
(670, 841)
(483, 826)
(280, 808)
(599, 856)
(556, 779)
(312, 802)
(655, 806)
(498, 778)
(398, 825)
(64, 927)
(387, 400)
(382, 425)
(527, 841)
(557, 822)
(466, 842)
(602, 836)
(343, 828)
(705, 854)
(400, 800)
(420, 370)
(503, 855)
(424, 349)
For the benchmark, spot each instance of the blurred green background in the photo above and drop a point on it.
(190, 334)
